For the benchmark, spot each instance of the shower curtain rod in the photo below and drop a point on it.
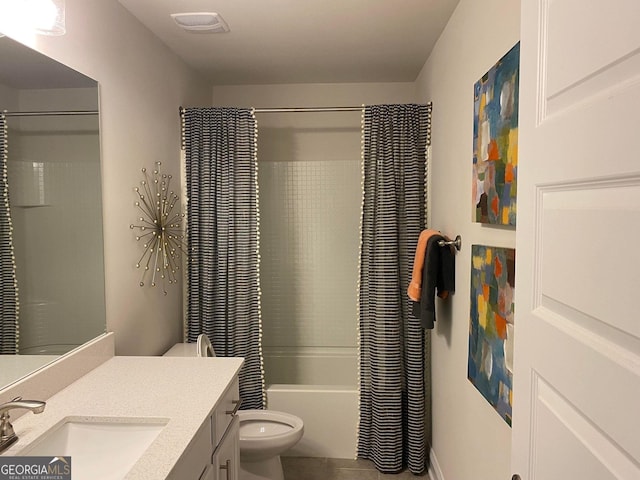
(300, 109)
(305, 109)
(48, 114)
(311, 109)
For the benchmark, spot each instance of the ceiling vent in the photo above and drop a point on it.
(201, 22)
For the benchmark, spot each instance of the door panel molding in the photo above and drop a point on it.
(555, 415)
(599, 378)
(597, 70)
(614, 344)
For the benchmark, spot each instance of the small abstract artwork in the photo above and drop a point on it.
(495, 141)
(491, 325)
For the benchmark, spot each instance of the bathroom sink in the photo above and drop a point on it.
(100, 449)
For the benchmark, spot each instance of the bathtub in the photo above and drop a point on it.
(319, 386)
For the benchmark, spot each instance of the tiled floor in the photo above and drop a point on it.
(303, 468)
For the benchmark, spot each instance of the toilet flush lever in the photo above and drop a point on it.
(236, 404)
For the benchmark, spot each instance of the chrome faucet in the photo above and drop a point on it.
(7, 435)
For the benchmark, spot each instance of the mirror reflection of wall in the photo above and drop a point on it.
(56, 201)
(55, 198)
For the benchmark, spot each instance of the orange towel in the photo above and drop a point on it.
(415, 286)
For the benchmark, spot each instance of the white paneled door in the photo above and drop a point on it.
(577, 339)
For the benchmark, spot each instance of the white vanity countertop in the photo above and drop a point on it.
(183, 390)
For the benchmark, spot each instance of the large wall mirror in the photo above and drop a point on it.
(55, 196)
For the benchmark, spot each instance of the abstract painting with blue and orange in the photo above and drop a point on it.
(490, 366)
(495, 141)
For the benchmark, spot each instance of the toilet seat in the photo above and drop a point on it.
(262, 428)
(266, 433)
(266, 424)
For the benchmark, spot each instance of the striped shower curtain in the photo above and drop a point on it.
(392, 342)
(8, 282)
(222, 226)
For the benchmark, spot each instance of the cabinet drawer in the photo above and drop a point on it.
(226, 410)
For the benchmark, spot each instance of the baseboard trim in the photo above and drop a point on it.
(434, 468)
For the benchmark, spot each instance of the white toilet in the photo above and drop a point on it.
(264, 435)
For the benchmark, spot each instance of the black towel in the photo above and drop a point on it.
(438, 277)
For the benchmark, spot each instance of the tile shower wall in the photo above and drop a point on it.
(54, 177)
(310, 214)
(60, 302)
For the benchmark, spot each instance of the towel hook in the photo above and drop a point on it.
(456, 243)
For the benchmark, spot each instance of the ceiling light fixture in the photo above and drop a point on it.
(201, 22)
(45, 17)
(49, 17)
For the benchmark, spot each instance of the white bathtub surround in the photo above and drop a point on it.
(329, 413)
(311, 365)
(139, 388)
(319, 385)
(62, 193)
(310, 203)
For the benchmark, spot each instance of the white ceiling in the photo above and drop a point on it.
(303, 41)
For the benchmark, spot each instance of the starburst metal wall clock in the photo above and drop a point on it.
(159, 228)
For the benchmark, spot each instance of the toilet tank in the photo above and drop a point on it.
(201, 348)
(182, 350)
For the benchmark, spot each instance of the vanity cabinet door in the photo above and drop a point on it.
(226, 410)
(226, 458)
(209, 474)
(195, 460)
(214, 452)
